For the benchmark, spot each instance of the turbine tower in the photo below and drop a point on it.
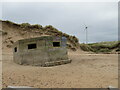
(86, 29)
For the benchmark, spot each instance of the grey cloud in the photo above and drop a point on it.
(70, 18)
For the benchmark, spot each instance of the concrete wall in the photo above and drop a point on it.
(16, 56)
(45, 52)
(57, 53)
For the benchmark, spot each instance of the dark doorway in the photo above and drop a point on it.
(15, 49)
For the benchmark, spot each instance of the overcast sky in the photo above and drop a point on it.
(69, 17)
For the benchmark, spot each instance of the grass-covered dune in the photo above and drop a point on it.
(26, 30)
(12, 32)
(102, 47)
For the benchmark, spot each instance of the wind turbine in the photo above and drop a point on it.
(86, 29)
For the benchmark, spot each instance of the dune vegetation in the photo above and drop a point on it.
(102, 47)
(24, 28)
(73, 43)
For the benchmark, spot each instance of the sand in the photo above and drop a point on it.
(85, 71)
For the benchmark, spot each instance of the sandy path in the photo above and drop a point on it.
(85, 71)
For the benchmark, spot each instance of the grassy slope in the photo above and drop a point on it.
(73, 42)
(102, 47)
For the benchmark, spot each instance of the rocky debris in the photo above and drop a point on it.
(54, 63)
(8, 42)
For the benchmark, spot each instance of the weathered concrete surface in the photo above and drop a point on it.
(45, 51)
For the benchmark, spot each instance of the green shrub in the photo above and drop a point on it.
(25, 25)
(37, 26)
(103, 47)
(103, 50)
(49, 27)
(9, 22)
(85, 47)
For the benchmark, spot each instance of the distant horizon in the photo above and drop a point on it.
(63, 32)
